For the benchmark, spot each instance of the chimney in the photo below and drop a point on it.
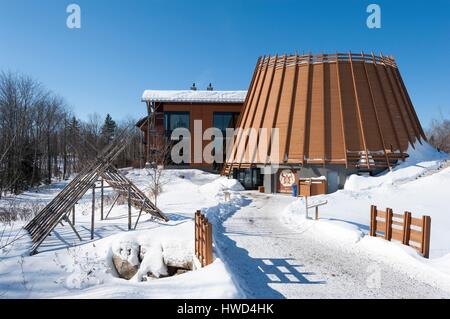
(210, 87)
(193, 87)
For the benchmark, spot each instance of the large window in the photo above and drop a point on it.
(224, 120)
(174, 120)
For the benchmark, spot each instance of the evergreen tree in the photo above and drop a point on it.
(108, 131)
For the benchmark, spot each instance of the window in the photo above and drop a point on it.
(224, 120)
(174, 120)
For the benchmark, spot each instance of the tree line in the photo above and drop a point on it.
(41, 140)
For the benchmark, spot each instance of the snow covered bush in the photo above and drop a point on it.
(144, 258)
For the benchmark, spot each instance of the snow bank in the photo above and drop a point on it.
(422, 158)
(338, 232)
(221, 185)
(344, 235)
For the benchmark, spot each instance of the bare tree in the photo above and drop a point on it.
(439, 134)
(159, 154)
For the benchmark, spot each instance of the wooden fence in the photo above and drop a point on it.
(410, 231)
(203, 239)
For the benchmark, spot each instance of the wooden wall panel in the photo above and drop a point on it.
(271, 110)
(369, 122)
(386, 123)
(284, 112)
(299, 114)
(402, 106)
(259, 115)
(395, 115)
(315, 137)
(329, 112)
(352, 130)
(334, 146)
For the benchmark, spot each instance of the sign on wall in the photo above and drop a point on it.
(286, 178)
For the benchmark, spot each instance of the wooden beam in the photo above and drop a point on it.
(293, 96)
(380, 133)
(307, 109)
(254, 113)
(110, 209)
(93, 213)
(358, 108)
(426, 234)
(341, 109)
(397, 104)
(129, 207)
(101, 199)
(277, 107)
(387, 108)
(243, 117)
(73, 228)
(266, 103)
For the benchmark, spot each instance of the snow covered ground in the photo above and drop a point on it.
(421, 186)
(264, 246)
(86, 270)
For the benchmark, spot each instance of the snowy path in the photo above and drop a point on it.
(270, 260)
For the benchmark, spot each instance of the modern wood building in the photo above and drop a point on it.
(168, 110)
(337, 114)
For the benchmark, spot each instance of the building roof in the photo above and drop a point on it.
(194, 96)
(329, 109)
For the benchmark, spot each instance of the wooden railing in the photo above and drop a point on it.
(410, 231)
(203, 239)
(299, 59)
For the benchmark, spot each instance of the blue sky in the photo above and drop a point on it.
(125, 47)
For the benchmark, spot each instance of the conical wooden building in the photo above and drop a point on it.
(336, 114)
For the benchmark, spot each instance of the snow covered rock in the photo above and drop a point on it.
(152, 265)
(126, 258)
(178, 254)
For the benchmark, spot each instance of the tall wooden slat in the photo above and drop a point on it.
(259, 118)
(405, 127)
(406, 102)
(358, 108)
(426, 234)
(380, 133)
(394, 128)
(246, 138)
(275, 117)
(388, 230)
(248, 101)
(406, 228)
(293, 97)
(411, 107)
(373, 220)
(341, 108)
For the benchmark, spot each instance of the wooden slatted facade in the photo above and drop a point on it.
(340, 109)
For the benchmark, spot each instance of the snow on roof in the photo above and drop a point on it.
(194, 96)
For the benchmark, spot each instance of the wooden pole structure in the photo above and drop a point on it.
(129, 207)
(406, 228)
(93, 212)
(388, 230)
(373, 220)
(73, 215)
(101, 199)
(426, 232)
(112, 206)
